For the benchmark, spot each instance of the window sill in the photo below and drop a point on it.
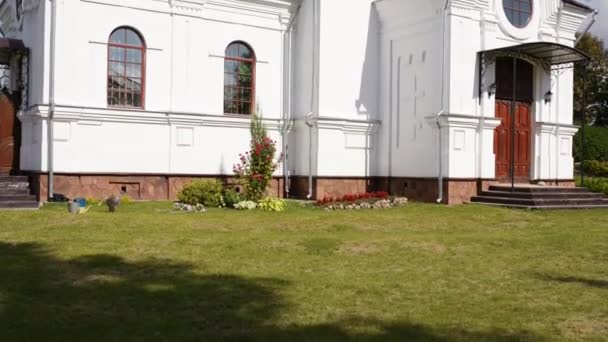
(134, 109)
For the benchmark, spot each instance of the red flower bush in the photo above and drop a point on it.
(256, 167)
(353, 198)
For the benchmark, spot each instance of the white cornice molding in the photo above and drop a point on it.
(557, 129)
(268, 14)
(463, 121)
(98, 116)
(345, 125)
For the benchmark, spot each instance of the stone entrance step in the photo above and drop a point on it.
(15, 193)
(537, 197)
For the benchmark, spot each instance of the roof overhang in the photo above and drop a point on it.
(546, 54)
(579, 4)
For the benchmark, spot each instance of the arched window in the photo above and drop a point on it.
(239, 79)
(519, 12)
(126, 68)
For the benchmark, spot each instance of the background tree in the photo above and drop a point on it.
(592, 98)
(596, 76)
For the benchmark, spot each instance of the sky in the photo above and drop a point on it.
(600, 28)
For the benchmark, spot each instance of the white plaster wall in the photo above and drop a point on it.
(411, 94)
(418, 62)
(554, 128)
(348, 88)
(184, 88)
(35, 35)
(344, 153)
(184, 68)
(349, 65)
(93, 148)
(469, 147)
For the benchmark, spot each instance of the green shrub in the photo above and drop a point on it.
(93, 201)
(596, 168)
(597, 185)
(126, 199)
(272, 204)
(207, 193)
(231, 197)
(596, 144)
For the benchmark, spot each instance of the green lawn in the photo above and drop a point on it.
(422, 272)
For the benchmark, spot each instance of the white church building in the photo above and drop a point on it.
(431, 99)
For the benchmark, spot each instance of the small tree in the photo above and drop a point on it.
(256, 167)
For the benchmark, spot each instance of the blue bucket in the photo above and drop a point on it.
(81, 202)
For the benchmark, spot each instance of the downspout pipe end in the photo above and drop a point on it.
(310, 126)
(440, 175)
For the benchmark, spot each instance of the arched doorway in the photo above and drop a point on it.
(516, 125)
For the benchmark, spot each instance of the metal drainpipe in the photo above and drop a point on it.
(312, 98)
(283, 125)
(441, 112)
(593, 19)
(51, 114)
(557, 111)
(287, 93)
(310, 126)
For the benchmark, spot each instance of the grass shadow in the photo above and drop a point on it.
(107, 298)
(595, 283)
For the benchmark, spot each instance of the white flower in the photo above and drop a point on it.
(245, 205)
(199, 208)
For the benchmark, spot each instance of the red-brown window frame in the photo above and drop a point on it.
(518, 11)
(253, 61)
(143, 49)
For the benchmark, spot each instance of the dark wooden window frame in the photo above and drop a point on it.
(142, 49)
(252, 88)
(519, 9)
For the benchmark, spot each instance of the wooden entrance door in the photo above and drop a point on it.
(505, 92)
(503, 139)
(9, 131)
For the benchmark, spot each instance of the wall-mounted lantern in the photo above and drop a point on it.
(548, 96)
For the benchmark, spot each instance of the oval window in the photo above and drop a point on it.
(518, 12)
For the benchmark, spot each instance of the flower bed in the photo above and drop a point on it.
(374, 200)
(253, 171)
(189, 208)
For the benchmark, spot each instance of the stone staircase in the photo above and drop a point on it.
(15, 193)
(541, 197)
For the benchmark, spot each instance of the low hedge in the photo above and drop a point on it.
(207, 193)
(596, 168)
(596, 144)
(597, 185)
